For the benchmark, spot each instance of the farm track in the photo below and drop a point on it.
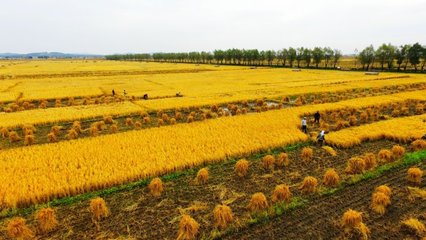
(320, 218)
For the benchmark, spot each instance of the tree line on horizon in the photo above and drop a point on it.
(386, 56)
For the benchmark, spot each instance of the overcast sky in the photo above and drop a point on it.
(123, 26)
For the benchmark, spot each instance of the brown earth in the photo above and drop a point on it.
(137, 214)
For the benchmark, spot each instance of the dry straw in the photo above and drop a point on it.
(241, 168)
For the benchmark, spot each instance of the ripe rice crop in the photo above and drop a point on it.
(413, 225)
(56, 130)
(356, 165)
(14, 137)
(331, 178)
(416, 145)
(258, 202)
(282, 160)
(414, 175)
(188, 228)
(399, 129)
(99, 209)
(156, 187)
(307, 154)
(309, 185)
(111, 155)
(370, 161)
(29, 140)
(353, 225)
(18, 229)
(281, 193)
(202, 176)
(46, 219)
(54, 115)
(268, 162)
(138, 125)
(384, 189)
(223, 216)
(398, 151)
(351, 219)
(52, 137)
(330, 150)
(114, 128)
(241, 168)
(385, 155)
(379, 202)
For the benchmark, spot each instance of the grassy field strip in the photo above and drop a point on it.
(399, 129)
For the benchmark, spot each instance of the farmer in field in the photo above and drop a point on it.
(317, 117)
(321, 137)
(124, 93)
(113, 92)
(304, 125)
(424, 137)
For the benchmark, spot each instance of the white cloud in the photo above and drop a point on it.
(117, 26)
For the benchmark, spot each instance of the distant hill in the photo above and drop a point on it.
(48, 55)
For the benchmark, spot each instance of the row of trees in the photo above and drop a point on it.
(285, 57)
(386, 55)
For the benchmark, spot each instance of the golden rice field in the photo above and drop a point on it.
(362, 114)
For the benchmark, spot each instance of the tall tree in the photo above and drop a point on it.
(423, 57)
(299, 55)
(414, 54)
(366, 57)
(317, 55)
(385, 55)
(292, 54)
(219, 55)
(307, 56)
(270, 56)
(337, 54)
(328, 54)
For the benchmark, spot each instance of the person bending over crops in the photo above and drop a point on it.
(317, 117)
(424, 137)
(304, 125)
(321, 137)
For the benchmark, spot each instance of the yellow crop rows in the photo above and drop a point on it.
(52, 115)
(42, 172)
(38, 173)
(399, 129)
(210, 84)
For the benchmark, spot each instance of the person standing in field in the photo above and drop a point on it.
(321, 137)
(113, 92)
(317, 117)
(304, 125)
(124, 93)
